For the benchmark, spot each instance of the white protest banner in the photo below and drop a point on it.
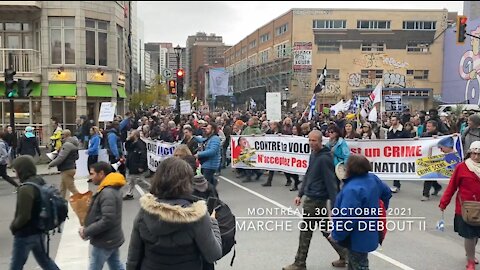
(274, 106)
(82, 162)
(402, 159)
(107, 111)
(158, 151)
(185, 107)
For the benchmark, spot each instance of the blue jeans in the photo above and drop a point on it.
(99, 256)
(209, 175)
(22, 247)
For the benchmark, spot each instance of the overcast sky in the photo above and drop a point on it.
(174, 21)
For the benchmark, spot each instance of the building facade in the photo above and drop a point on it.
(360, 48)
(76, 54)
(202, 50)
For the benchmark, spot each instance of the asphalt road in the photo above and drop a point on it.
(274, 246)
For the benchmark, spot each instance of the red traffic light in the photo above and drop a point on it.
(180, 73)
(463, 20)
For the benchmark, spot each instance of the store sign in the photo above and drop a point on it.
(64, 76)
(302, 57)
(121, 79)
(95, 76)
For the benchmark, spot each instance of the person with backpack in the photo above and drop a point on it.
(103, 223)
(361, 194)
(66, 163)
(125, 126)
(27, 236)
(168, 214)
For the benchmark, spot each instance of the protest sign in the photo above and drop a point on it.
(158, 151)
(402, 159)
(107, 111)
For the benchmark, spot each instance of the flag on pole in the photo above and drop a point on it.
(372, 116)
(321, 80)
(374, 98)
(313, 104)
(253, 104)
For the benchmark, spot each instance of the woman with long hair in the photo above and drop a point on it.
(349, 132)
(367, 132)
(337, 145)
(173, 230)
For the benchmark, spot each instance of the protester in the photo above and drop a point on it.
(66, 163)
(396, 131)
(114, 147)
(168, 214)
(361, 192)
(94, 145)
(319, 185)
(11, 140)
(28, 144)
(26, 235)
(349, 132)
(3, 161)
(189, 140)
(210, 156)
(103, 223)
(465, 181)
(337, 145)
(56, 138)
(367, 132)
(136, 162)
(472, 132)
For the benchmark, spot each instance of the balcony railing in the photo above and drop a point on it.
(22, 60)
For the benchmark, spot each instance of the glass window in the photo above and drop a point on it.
(56, 46)
(55, 21)
(120, 49)
(328, 46)
(27, 42)
(89, 23)
(1, 27)
(13, 26)
(69, 22)
(90, 41)
(26, 27)
(69, 46)
(102, 25)
(102, 49)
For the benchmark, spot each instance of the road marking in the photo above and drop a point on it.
(289, 209)
(72, 251)
(140, 190)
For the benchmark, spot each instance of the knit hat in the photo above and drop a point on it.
(446, 142)
(474, 147)
(200, 183)
(25, 167)
(239, 123)
(29, 132)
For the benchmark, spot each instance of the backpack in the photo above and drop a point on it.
(53, 209)
(227, 225)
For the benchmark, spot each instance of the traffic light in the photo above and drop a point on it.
(172, 87)
(461, 29)
(9, 83)
(180, 75)
(24, 88)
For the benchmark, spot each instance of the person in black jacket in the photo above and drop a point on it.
(11, 140)
(136, 161)
(28, 144)
(103, 223)
(27, 237)
(189, 140)
(396, 131)
(169, 214)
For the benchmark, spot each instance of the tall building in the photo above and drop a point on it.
(471, 9)
(202, 50)
(147, 70)
(74, 51)
(158, 56)
(359, 47)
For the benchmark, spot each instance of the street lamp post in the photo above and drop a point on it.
(178, 52)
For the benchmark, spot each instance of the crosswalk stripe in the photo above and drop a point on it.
(72, 251)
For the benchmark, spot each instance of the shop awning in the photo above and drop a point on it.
(99, 90)
(121, 92)
(62, 89)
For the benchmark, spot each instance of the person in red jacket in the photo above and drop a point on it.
(465, 179)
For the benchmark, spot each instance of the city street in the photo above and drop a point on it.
(267, 248)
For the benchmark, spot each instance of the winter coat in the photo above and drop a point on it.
(340, 151)
(3, 152)
(252, 130)
(173, 234)
(114, 144)
(103, 223)
(28, 198)
(28, 146)
(94, 145)
(192, 145)
(56, 139)
(210, 156)
(67, 156)
(359, 192)
(397, 134)
(468, 185)
(137, 156)
(469, 136)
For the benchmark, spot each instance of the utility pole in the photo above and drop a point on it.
(130, 45)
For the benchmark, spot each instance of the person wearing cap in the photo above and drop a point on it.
(472, 132)
(465, 181)
(28, 144)
(446, 145)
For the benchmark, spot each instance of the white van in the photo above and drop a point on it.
(448, 108)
